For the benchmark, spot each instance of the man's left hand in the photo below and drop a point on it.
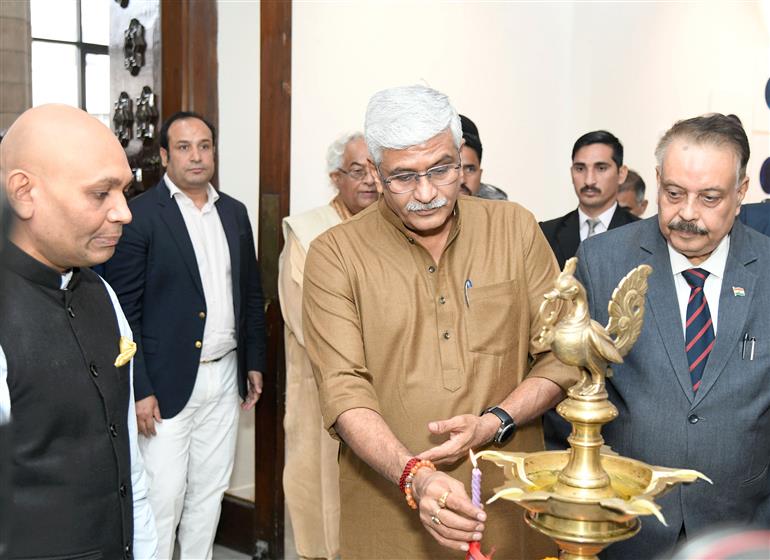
(255, 390)
(465, 432)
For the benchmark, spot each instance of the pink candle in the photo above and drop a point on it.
(475, 481)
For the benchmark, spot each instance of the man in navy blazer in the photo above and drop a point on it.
(186, 274)
(756, 216)
(694, 392)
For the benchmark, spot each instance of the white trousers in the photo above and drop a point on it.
(190, 460)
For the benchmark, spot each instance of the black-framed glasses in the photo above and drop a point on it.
(438, 176)
(356, 173)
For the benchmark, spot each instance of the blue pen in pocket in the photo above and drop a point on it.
(468, 286)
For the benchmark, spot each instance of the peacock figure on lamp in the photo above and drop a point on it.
(587, 497)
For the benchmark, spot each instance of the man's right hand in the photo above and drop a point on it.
(147, 413)
(454, 523)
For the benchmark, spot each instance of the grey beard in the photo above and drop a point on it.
(414, 206)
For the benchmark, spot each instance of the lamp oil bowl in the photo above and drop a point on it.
(587, 497)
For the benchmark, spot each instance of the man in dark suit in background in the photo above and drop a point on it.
(186, 275)
(694, 392)
(470, 155)
(631, 194)
(756, 216)
(597, 172)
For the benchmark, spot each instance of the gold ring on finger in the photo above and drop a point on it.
(442, 499)
(435, 519)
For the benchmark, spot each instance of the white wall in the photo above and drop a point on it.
(238, 53)
(533, 76)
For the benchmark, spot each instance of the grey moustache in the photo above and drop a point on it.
(414, 206)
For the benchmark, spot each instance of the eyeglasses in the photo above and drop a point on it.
(438, 176)
(357, 173)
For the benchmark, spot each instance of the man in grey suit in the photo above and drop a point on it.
(695, 390)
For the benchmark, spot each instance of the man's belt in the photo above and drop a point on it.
(212, 360)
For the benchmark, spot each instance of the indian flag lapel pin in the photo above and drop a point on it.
(738, 291)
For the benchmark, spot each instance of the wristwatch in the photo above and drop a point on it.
(507, 425)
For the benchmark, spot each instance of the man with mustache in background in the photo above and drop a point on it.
(694, 392)
(597, 173)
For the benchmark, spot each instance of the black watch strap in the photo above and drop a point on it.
(507, 425)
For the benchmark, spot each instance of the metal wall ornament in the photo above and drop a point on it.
(123, 118)
(134, 47)
(146, 115)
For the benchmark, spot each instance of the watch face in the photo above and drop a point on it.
(505, 433)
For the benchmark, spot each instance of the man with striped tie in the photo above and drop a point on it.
(695, 390)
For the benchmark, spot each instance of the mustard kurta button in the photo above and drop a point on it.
(431, 269)
(446, 335)
(198, 344)
(202, 314)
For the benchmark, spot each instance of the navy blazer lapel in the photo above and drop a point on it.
(568, 235)
(663, 304)
(733, 311)
(172, 216)
(229, 221)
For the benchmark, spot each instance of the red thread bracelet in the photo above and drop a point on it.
(409, 464)
(421, 463)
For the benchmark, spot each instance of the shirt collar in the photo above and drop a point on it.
(65, 279)
(715, 264)
(605, 217)
(175, 191)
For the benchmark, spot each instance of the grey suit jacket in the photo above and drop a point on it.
(724, 429)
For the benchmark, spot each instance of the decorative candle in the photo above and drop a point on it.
(475, 481)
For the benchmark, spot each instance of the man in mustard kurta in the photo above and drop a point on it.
(310, 474)
(418, 317)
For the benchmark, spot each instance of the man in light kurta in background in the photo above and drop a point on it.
(311, 475)
(420, 343)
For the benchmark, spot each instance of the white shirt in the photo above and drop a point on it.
(145, 535)
(715, 265)
(213, 255)
(604, 221)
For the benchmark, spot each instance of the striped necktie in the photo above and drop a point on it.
(699, 332)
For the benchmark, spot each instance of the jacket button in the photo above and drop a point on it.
(446, 335)
(442, 300)
(94, 370)
(202, 314)
(114, 430)
(123, 490)
(693, 418)
(198, 344)
(431, 269)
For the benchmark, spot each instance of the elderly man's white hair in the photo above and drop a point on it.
(337, 150)
(402, 117)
